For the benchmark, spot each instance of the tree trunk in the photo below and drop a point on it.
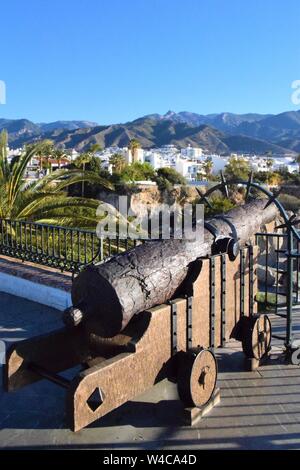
(153, 272)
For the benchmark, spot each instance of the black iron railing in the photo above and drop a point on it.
(274, 256)
(65, 248)
(279, 287)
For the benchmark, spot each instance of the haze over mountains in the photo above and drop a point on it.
(218, 133)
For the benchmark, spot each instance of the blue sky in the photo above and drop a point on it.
(115, 60)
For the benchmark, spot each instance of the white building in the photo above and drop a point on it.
(193, 153)
(287, 163)
(74, 154)
(258, 163)
(154, 159)
(219, 163)
(189, 169)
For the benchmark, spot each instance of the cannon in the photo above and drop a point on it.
(209, 302)
(155, 272)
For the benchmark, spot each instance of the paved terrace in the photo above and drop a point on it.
(258, 410)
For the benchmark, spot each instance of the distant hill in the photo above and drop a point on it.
(282, 130)
(219, 133)
(226, 122)
(156, 132)
(19, 125)
(22, 130)
(69, 125)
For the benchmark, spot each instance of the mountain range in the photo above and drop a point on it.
(218, 133)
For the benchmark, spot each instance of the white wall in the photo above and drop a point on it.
(218, 163)
(154, 159)
(45, 295)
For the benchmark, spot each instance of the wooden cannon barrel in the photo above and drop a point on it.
(152, 273)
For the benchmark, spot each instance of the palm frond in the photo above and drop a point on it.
(45, 199)
(87, 223)
(61, 179)
(49, 203)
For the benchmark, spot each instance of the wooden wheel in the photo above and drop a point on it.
(256, 338)
(197, 377)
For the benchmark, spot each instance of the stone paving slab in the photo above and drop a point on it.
(258, 410)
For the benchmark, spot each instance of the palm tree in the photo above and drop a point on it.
(94, 148)
(134, 144)
(118, 162)
(80, 162)
(208, 166)
(85, 158)
(4, 166)
(44, 200)
(58, 154)
(44, 151)
(269, 164)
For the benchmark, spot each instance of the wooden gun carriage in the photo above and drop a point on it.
(175, 340)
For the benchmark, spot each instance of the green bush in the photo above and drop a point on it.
(220, 204)
(165, 179)
(137, 172)
(237, 168)
(171, 175)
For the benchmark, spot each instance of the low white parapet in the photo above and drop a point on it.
(41, 293)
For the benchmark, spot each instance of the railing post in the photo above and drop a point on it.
(289, 300)
(101, 249)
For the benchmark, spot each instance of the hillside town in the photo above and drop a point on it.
(190, 162)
